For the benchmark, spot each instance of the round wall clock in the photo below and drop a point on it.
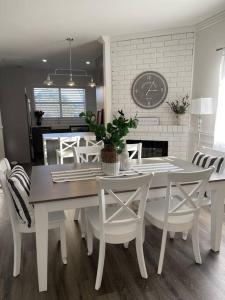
(149, 89)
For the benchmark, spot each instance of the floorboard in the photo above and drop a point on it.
(181, 277)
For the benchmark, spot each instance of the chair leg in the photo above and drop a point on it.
(76, 214)
(126, 245)
(101, 260)
(162, 252)
(89, 240)
(185, 235)
(57, 158)
(61, 159)
(17, 252)
(172, 235)
(195, 243)
(62, 231)
(140, 257)
(82, 222)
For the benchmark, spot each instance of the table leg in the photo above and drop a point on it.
(217, 217)
(41, 225)
(45, 152)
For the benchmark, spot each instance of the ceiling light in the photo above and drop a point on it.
(48, 81)
(69, 72)
(88, 62)
(44, 60)
(92, 83)
(70, 82)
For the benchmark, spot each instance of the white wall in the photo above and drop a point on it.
(206, 72)
(172, 56)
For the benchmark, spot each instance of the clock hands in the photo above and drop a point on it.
(152, 84)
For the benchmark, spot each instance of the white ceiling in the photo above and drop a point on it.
(33, 29)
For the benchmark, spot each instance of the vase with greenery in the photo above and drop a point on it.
(112, 134)
(179, 107)
(38, 114)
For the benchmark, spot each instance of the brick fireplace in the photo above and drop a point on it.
(169, 54)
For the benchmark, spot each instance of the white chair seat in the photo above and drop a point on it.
(66, 153)
(127, 232)
(155, 213)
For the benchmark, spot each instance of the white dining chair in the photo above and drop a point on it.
(118, 224)
(84, 154)
(91, 141)
(179, 210)
(133, 149)
(56, 220)
(66, 148)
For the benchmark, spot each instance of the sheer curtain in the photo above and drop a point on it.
(219, 133)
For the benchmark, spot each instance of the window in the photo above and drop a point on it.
(60, 102)
(219, 137)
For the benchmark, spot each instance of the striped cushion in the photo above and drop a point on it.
(19, 186)
(205, 161)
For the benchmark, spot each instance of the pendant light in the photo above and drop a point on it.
(92, 83)
(48, 81)
(70, 82)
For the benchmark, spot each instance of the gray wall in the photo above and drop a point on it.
(206, 78)
(13, 80)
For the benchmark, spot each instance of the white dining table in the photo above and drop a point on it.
(47, 196)
(57, 135)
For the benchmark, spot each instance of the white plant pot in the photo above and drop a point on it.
(111, 169)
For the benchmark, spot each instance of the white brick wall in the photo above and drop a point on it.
(172, 56)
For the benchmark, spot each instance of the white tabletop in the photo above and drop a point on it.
(57, 135)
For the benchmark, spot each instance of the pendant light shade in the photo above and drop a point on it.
(48, 81)
(92, 83)
(70, 82)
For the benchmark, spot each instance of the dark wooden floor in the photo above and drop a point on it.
(181, 277)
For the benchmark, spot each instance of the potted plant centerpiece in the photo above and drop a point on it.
(179, 107)
(112, 134)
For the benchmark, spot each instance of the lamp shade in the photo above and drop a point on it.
(202, 106)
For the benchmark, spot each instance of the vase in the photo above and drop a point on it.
(180, 119)
(110, 160)
(124, 160)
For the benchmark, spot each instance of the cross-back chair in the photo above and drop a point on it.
(91, 141)
(133, 149)
(66, 145)
(118, 224)
(56, 220)
(84, 154)
(179, 210)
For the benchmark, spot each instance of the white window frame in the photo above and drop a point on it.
(60, 102)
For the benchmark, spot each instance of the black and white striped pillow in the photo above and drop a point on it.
(205, 161)
(19, 186)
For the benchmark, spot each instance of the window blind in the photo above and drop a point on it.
(60, 102)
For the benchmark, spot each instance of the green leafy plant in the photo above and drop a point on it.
(179, 106)
(114, 132)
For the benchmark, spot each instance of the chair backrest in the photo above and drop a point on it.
(91, 141)
(4, 165)
(4, 168)
(84, 154)
(189, 201)
(67, 143)
(140, 185)
(134, 148)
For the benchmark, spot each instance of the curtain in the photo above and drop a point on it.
(219, 132)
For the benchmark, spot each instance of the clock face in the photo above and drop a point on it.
(149, 89)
